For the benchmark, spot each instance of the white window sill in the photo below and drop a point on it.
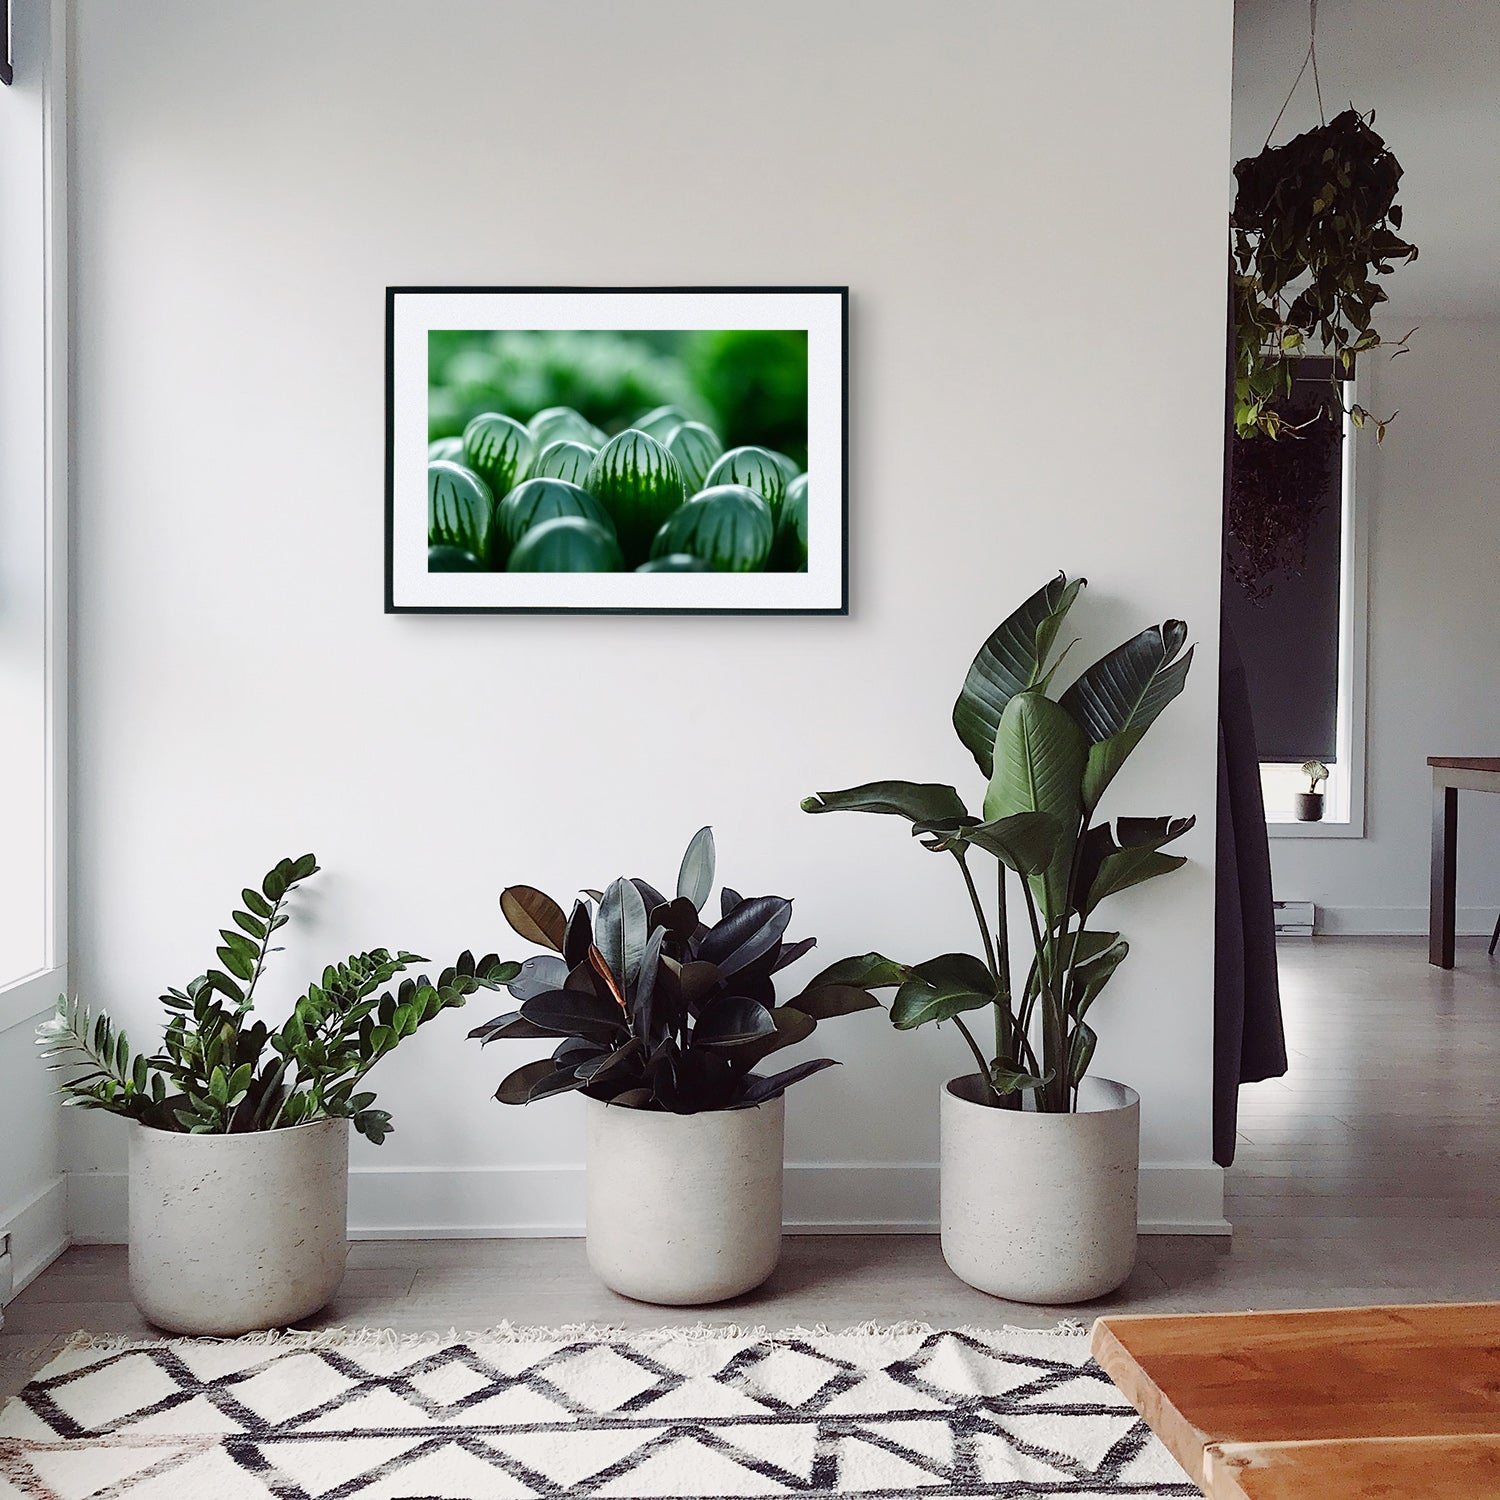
(1287, 827)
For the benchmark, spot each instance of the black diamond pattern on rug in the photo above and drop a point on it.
(680, 1414)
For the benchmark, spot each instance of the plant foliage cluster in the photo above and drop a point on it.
(1048, 762)
(1314, 225)
(222, 1071)
(657, 1009)
(556, 495)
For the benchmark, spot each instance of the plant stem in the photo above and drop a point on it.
(984, 930)
(984, 1067)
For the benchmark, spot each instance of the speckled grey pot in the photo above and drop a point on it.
(684, 1209)
(1041, 1207)
(232, 1233)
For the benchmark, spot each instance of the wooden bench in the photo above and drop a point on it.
(1341, 1404)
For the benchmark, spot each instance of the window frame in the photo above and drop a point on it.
(1344, 794)
(28, 995)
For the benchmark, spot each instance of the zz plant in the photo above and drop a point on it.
(221, 1071)
(656, 1009)
(1048, 762)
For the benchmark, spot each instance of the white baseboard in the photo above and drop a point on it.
(1399, 921)
(38, 1229)
(538, 1202)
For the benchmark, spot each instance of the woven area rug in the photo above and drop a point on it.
(876, 1412)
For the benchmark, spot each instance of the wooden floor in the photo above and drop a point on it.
(1370, 1174)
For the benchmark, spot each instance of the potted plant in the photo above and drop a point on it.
(663, 1020)
(239, 1135)
(1309, 804)
(1039, 1160)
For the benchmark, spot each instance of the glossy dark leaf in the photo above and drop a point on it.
(729, 1020)
(649, 893)
(919, 801)
(868, 971)
(695, 878)
(826, 1001)
(643, 996)
(699, 980)
(564, 1081)
(547, 971)
(573, 1050)
(512, 1026)
(728, 900)
(578, 935)
(757, 1089)
(752, 928)
(679, 917)
(792, 1026)
(1118, 699)
(940, 989)
(620, 931)
(535, 916)
(789, 953)
(516, 1089)
(573, 1013)
(596, 1070)
(636, 1098)
(1013, 660)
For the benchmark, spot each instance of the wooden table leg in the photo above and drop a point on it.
(1443, 898)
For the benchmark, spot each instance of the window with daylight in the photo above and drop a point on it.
(1294, 596)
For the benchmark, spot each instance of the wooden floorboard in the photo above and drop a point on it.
(1370, 1174)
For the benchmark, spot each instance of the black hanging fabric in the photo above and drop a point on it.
(1249, 1043)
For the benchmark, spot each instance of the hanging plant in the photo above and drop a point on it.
(1314, 225)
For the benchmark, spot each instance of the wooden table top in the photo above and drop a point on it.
(1434, 1468)
(1330, 1376)
(1465, 762)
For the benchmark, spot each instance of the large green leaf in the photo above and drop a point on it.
(1025, 842)
(1118, 698)
(1039, 762)
(1114, 859)
(942, 988)
(920, 801)
(1011, 661)
(868, 971)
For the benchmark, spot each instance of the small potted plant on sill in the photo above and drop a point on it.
(239, 1135)
(1309, 804)
(663, 1019)
(1040, 1161)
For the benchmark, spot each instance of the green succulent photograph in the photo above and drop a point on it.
(609, 451)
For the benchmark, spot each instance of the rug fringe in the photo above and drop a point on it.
(291, 1339)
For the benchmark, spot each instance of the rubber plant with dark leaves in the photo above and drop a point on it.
(223, 1072)
(1048, 762)
(657, 1009)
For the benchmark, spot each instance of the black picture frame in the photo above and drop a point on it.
(835, 606)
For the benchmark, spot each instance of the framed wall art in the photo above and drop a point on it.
(664, 450)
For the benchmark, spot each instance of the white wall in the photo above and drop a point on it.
(1028, 204)
(1434, 666)
(1429, 491)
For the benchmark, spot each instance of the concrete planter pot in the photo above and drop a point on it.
(684, 1209)
(232, 1233)
(1040, 1207)
(1308, 806)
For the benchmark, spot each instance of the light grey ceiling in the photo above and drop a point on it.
(1431, 71)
